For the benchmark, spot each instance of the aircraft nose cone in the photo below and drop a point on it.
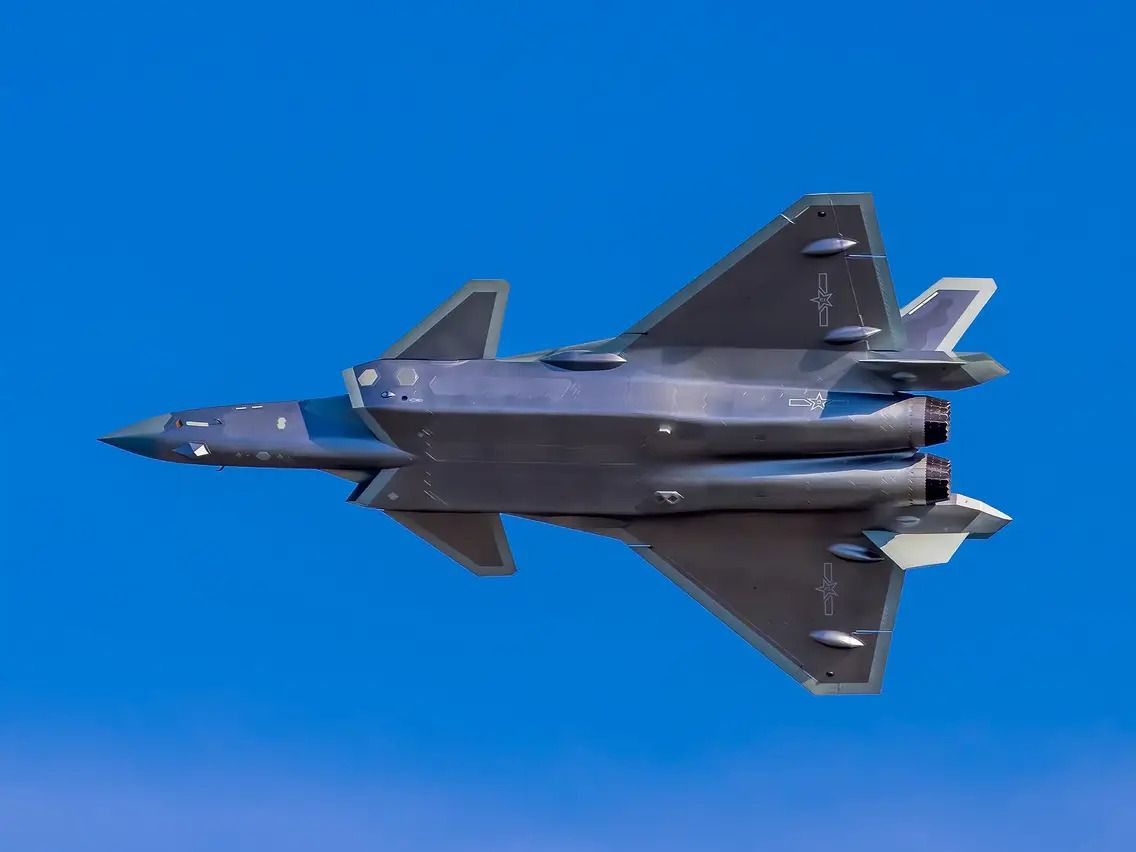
(141, 437)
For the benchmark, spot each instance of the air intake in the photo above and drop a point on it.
(936, 421)
(938, 479)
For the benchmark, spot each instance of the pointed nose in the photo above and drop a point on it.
(141, 437)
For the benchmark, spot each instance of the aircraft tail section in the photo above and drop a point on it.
(942, 314)
(933, 324)
(466, 326)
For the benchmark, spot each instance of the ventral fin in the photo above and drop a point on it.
(475, 540)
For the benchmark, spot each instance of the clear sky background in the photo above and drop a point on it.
(210, 203)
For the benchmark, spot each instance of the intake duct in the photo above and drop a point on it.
(936, 422)
(938, 478)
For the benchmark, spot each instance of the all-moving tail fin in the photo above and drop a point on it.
(939, 317)
(465, 326)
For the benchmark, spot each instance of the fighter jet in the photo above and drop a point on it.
(757, 437)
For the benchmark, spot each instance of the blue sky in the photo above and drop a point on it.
(215, 203)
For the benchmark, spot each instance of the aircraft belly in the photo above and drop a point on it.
(568, 488)
(721, 423)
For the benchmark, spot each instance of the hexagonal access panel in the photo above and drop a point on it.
(368, 377)
(406, 376)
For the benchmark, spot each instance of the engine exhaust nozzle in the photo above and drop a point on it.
(936, 421)
(938, 478)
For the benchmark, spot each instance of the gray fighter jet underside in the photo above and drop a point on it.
(756, 437)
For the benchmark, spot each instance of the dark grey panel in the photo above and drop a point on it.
(769, 293)
(771, 577)
(459, 334)
(475, 541)
(465, 326)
